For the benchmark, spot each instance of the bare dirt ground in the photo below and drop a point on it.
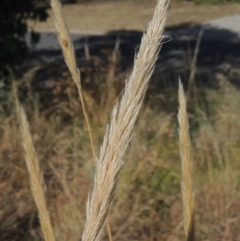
(134, 16)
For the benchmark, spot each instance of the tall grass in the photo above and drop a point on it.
(147, 204)
(123, 118)
(69, 56)
(36, 179)
(187, 169)
(120, 129)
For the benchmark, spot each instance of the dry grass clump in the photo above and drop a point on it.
(148, 204)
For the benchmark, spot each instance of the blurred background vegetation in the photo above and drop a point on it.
(13, 19)
(13, 27)
(148, 202)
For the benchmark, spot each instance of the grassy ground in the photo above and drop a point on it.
(135, 16)
(148, 201)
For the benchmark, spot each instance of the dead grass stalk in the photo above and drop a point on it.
(120, 129)
(69, 55)
(36, 179)
(187, 172)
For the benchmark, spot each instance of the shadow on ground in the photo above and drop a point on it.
(218, 51)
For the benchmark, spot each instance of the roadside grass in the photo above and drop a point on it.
(148, 203)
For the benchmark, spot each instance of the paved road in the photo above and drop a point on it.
(223, 29)
(220, 43)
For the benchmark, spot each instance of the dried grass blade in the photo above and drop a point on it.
(36, 178)
(187, 172)
(120, 129)
(70, 59)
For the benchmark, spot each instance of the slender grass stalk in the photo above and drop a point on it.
(36, 179)
(120, 129)
(193, 68)
(109, 230)
(187, 172)
(69, 56)
(14, 93)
